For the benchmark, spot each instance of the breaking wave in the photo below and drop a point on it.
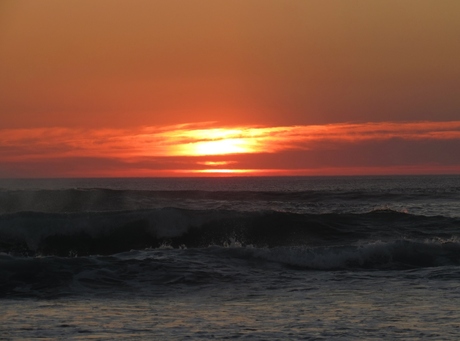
(103, 233)
(153, 269)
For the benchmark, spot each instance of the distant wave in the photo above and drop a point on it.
(86, 233)
(97, 199)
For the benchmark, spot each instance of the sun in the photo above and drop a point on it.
(220, 147)
(208, 142)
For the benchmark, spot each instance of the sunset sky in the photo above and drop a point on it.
(93, 88)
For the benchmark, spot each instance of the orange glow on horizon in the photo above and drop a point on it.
(194, 149)
(216, 163)
(328, 171)
(221, 171)
(188, 141)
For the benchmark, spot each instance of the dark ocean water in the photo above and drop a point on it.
(251, 258)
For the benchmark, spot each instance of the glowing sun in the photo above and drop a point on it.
(220, 147)
(205, 142)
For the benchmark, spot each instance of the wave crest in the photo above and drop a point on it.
(112, 232)
(395, 254)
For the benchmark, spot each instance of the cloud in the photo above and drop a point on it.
(203, 148)
(193, 140)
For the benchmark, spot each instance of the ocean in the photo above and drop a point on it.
(259, 258)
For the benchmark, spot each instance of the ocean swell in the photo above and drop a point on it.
(158, 269)
(89, 233)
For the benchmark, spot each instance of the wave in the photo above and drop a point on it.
(98, 199)
(104, 233)
(159, 269)
(393, 254)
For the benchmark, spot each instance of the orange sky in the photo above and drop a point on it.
(200, 87)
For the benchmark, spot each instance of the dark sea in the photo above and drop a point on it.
(258, 258)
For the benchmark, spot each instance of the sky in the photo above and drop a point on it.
(111, 88)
